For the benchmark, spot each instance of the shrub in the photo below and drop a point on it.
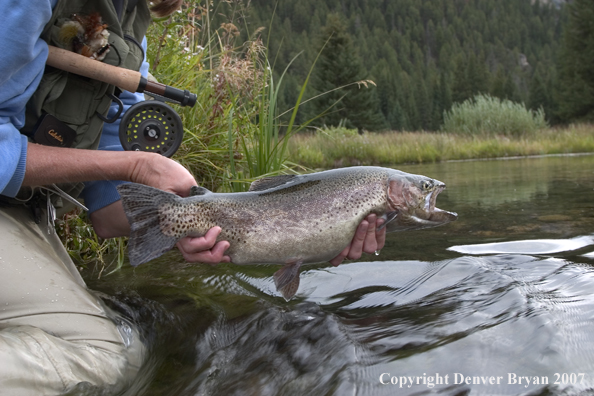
(485, 115)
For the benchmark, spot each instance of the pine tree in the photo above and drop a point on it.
(462, 88)
(336, 74)
(502, 86)
(477, 75)
(538, 95)
(575, 89)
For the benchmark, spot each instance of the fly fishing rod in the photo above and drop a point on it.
(147, 126)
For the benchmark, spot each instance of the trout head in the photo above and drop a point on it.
(411, 199)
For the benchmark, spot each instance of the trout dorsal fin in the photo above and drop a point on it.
(269, 182)
(197, 190)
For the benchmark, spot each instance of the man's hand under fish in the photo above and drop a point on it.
(206, 249)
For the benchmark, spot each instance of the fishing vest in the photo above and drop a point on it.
(79, 102)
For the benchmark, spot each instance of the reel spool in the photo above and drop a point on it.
(151, 126)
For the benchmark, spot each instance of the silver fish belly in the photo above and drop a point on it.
(289, 220)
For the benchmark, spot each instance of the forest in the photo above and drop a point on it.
(416, 58)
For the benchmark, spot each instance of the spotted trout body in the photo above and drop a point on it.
(289, 220)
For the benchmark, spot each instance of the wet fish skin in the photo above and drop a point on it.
(289, 220)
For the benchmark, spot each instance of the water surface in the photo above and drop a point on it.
(499, 302)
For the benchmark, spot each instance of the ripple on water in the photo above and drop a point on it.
(471, 316)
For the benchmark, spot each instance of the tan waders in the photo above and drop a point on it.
(55, 334)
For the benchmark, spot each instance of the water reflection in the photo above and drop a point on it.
(495, 182)
(504, 294)
(492, 316)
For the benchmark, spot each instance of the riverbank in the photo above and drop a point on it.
(337, 149)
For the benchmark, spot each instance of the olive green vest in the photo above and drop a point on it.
(79, 101)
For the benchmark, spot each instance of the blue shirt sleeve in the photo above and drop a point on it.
(98, 194)
(21, 67)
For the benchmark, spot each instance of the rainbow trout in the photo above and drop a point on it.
(290, 220)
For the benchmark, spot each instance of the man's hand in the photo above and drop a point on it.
(163, 173)
(205, 249)
(367, 239)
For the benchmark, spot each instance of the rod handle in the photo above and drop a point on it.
(125, 79)
(78, 64)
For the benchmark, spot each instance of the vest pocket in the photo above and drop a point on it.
(72, 104)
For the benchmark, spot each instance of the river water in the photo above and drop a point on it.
(501, 302)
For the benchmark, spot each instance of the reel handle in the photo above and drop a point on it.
(126, 79)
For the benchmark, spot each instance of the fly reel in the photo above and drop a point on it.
(147, 126)
(151, 126)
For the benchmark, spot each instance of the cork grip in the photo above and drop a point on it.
(125, 79)
(71, 62)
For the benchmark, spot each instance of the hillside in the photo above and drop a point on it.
(423, 56)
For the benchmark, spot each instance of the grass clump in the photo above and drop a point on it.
(319, 151)
(234, 134)
(486, 115)
(204, 60)
(85, 247)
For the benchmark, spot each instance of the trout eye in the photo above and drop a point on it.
(427, 185)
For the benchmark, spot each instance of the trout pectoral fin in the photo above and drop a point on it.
(286, 279)
(388, 217)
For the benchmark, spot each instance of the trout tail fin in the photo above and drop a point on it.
(141, 205)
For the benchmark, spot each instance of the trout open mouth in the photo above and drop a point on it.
(431, 215)
(423, 214)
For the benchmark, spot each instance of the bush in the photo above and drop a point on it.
(485, 115)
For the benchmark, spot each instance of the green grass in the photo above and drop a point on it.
(324, 150)
(84, 246)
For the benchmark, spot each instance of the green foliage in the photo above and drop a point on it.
(84, 246)
(423, 55)
(343, 93)
(575, 88)
(485, 115)
(233, 134)
(214, 70)
(263, 146)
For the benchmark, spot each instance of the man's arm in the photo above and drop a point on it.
(22, 62)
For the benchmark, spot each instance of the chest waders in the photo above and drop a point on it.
(57, 336)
